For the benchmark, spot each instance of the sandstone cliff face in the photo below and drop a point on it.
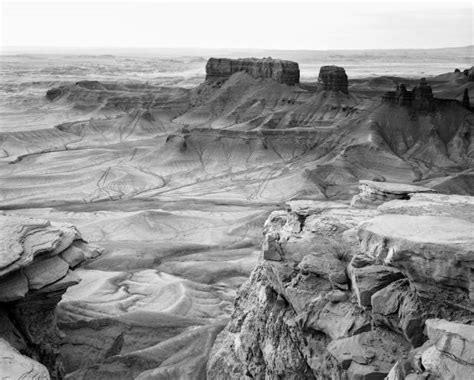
(36, 262)
(345, 293)
(333, 78)
(287, 72)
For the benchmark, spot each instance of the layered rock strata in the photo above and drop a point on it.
(37, 258)
(287, 72)
(373, 193)
(333, 78)
(347, 293)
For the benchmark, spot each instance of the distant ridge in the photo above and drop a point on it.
(230, 52)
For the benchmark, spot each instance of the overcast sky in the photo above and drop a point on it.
(224, 24)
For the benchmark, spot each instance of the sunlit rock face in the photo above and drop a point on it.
(282, 71)
(37, 258)
(345, 293)
(333, 78)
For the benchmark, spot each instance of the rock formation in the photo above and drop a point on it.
(470, 74)
(448, 354)
(333, 78)
(345, 293)
(36, 262)
(420, 98)
(372, 193)
(465, 99)
(287, 72)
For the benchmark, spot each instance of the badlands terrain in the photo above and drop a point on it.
(187, 218)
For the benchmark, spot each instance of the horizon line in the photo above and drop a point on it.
(4, 48)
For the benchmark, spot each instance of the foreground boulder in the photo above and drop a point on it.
(286, 72)
(333, 78)
(448, 354)
(345, 293)
(36, 261)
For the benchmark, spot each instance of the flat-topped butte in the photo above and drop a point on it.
(286, 72)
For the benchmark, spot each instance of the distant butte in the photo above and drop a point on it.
(333, 78)
(421, 97)
(286, 72)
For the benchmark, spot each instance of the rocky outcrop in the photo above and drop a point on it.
(470, 74)
(420, 98)
(448, 354)
(372, 193)
(36, 261)
(333, 78)
(287, 72)
(465, 99)
(433, 252)
(345, 293)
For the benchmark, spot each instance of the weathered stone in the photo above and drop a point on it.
(387, 300)
(32, 280)
(397, 307)
(78, 252)
(368, 280)
(372, 193)
(431, 251)
(448, 354)
(419, 99)
(324, 265)
(14, 365)
(286, 72)
(271, 248)
(27, 238)
(360, 261)
(456, 206)
(370, 354)
(13, 286)
(333, 78)
(456, 339)
(45, 272)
